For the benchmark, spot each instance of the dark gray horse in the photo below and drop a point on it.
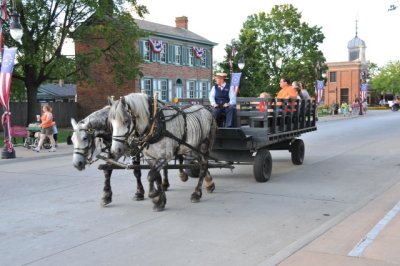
(92, 135)
(162, 134)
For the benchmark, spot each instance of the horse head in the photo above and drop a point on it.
(84, 144)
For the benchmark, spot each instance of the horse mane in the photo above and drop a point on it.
(96, 120)
(138, 103)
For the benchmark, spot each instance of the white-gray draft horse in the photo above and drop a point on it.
(163, 134)
(89, 135)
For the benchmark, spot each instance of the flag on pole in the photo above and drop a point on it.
(235, 81)
(7, 67)
(3, 10)
(320, 90)
(363, 92)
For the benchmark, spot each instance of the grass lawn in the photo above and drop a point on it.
(63, 134)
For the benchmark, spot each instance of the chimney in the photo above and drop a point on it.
(61, 83)
(181, 22)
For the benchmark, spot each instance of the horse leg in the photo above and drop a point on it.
(165, 181)
(182, 174)
(139, 195)
(209, 183)
(157, 195)
(196, 195)
(107, 192)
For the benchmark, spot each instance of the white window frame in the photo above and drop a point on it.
(164, 91)
(146, 50)
(163, 53)
(148, 86)
(191, 57)
(203, 60)
(178, 54)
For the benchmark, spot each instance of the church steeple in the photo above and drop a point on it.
(356, 48)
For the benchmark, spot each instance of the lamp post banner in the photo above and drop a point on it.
(235, 81)
(7, 67)
(320, 90)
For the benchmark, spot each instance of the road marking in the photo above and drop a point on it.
(370, 237)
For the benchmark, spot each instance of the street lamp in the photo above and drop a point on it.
(7, 66)
(241, 62)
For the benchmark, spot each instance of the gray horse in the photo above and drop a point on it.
(162, 134)
(92, 135)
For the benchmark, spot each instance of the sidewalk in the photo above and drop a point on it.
(24, 154)
(369, 236)
(336, 117)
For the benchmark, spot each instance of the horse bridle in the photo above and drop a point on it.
(85, 151)
(131, 128)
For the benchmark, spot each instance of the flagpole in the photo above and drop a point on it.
(7, 67)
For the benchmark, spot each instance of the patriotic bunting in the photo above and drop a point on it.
(198, 51)
(156, 46)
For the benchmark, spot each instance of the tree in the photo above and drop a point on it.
(267, 39)
(388, 79)
(48, 23)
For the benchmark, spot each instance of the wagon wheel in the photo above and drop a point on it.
(395, 107)
(262, 165)
(297, 149)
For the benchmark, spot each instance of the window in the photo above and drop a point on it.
(146, 50)
(192, 89)
(163, 53)
(178, 55)
(204, 90)
(203, 60)
(332, 76)
(147, 86)
(191, 57)
(164, 90)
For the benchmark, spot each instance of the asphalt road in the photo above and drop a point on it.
(50, 213)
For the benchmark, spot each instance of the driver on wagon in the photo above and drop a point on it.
(223, 99)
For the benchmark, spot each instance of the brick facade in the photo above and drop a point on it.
(186, 76)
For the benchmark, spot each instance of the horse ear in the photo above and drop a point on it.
(74, 124)
(123, 100)
(110, 100)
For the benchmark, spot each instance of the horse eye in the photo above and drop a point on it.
(85, 139)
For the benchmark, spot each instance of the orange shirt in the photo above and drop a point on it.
(47, 116)
(287, 92)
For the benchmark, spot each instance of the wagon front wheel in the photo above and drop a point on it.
(297, 149)
(262, 165)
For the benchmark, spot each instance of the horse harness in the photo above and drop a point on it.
(157, 129)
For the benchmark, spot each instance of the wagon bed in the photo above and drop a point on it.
(255, 132)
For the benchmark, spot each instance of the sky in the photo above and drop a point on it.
(220, 21)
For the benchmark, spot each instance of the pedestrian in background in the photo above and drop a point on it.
(47, 129)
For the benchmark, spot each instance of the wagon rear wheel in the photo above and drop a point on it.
(297, 149)
(262, 165)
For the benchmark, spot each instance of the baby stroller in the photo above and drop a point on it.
(34, 135)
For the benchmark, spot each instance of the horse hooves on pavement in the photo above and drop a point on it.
(183, 176)
(210, 188)
(195, 197)
(159, 202)
(138, 196)
(105, 201)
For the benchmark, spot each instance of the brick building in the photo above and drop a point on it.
(344, 79)
(176, 63)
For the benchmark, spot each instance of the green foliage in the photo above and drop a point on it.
(279, 36)
(48, 23)
(388, 78)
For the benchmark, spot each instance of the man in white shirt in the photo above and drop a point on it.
(223, 99)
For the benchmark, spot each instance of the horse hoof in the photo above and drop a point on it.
(183, 176)
(105, 202)
(159, 202)
(210, 188)
(138, 197)
(152, 195)
(195, 197)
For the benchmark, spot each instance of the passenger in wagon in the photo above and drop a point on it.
(223, 99)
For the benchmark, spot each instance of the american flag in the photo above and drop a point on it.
(3, 10)
(363, 91)
(7, 66)
(235, 81)
(319, 90)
